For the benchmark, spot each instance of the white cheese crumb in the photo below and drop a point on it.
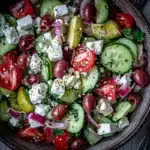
(42, 109)
(60, 10)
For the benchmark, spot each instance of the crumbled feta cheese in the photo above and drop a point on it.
(35, 63)
(124, 122)
(48, 36)
(104, 107)
(72, 9)
(54, 51)
(107, 128)
(60, 10)
(25, 23)
(11, 35)
(34, 124)
(2, 24)
(38, 93)
(25, 32)
(14, 122)
(95, 46)
(58, 87)
(42, 109)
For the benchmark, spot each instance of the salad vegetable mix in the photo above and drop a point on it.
(71, 73)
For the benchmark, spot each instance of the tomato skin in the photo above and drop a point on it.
(125, 20)
(22, 8)
(83, 60)
(31, 134)
(61, 141)
(10, 76)
(49, 137)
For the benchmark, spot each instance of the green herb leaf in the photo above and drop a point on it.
(58, 131)
(139, 36)
(127, 32)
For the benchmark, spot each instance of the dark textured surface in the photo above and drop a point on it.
(133, 144)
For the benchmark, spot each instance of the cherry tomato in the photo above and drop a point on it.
(78, 144)
(22, 8)
(108, 91)
(83, 60)
(23, 61)
(89, 103)
(10, 76)
(89, 11)
(10, 57)
(60, 68)
(46, 23)
(33, 79)
(61, 141)
(59, 111)
(49, 135)
(125, 20)
(140, 77)
(31, 134)
(27, 42)
(106, 81)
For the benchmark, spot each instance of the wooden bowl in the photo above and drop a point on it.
(136, 120)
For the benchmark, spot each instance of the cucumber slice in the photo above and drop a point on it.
(75, 32)
(122, 110)
(89, 82)
(102, 10)
(5, 47)
(47, 7)
(91, 136)
(130, 44)
(75, 118)
(117, 58)
(71, 96)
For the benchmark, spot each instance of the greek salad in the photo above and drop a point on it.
(71, 72)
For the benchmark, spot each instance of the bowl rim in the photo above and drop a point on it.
(143, 109)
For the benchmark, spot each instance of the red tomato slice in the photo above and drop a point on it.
(10, 76)
(84, 60)
(125, 19)
(22, 8)
(31, 134)
(49, 135)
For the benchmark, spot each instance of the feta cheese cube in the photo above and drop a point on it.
(58, 87)
(38, 93)
(35, 63)
(104, 107)
(95, 46)
(107, 128)
(60, 10)
(25, 23)
(42, 109)
(14, 122)
(47, 36)
(54, 51)
(11, 35)
(25, 32)
(124, 122)
(34, 124)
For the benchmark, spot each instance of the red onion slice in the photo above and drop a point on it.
(56, 125)
(14, 113)
(83, 3)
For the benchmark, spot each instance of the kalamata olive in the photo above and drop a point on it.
(89, 11)
(46, 23)
(78, 144)
(134, 97)
(23, 61)
(33, 79)
(27, 42)
(89, 103)
(140, 77)
(59, 111)
(60, 68)
(67, 54)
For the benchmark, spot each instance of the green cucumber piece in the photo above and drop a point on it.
(71, 95)
(47, 7)
(122, 110)
(117, 58)
(5, 47)
(130, 44)
(89, 81)
(91, 136)
(102, 9)
(75, 118)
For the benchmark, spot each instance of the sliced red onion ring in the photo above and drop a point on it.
(123, 92)
(92, 121)
(37, 118)
(58, 25)
(56, 125)
(14, 113)
(83, 3)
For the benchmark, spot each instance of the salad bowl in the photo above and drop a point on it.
(136, 119)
